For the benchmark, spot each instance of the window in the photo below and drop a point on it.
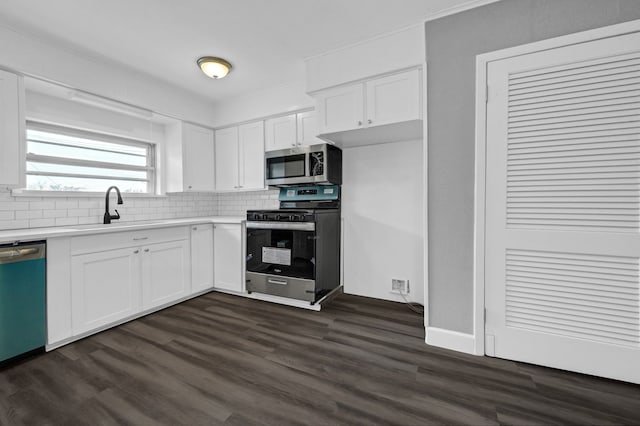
(64, 159)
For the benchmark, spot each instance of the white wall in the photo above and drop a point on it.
(263, 103)
(379, 55)
(382, 214)
(31, 56)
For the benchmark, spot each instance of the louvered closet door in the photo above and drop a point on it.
(562, 197)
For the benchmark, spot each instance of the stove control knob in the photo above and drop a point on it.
(278, 217)
(263, 216)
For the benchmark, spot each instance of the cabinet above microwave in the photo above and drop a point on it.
(378, 110)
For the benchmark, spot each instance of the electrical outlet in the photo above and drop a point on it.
(399, 286)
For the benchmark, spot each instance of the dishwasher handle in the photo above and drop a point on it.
(21, 253)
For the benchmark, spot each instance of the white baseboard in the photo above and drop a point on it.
(448, 339)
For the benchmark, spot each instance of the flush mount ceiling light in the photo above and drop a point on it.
(214, 67)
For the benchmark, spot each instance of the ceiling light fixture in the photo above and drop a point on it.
(214, 67)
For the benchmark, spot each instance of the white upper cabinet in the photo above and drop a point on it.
(280, 132)
(226, 156)
(239, 154)
(197, 158)
(340, 108)
(384, 109)
(307, 124)
(12, 130)
(251, 166)
(189, 152)
(290, 131)
(393, 99)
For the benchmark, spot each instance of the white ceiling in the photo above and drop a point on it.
(265, 40)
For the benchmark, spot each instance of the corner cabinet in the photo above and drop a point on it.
(383, 109)
(239, 157)
(290, 131)
(229, 257)
(12, 130)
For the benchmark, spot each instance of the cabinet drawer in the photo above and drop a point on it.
(108, 241)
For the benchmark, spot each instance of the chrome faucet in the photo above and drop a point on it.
(108, 217)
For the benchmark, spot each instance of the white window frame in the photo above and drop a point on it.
(151, 167)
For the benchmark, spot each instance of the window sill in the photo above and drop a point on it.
(77, 194)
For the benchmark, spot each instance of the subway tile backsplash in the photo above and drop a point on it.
(36, 212)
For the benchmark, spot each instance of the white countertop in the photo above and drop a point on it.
(33, 234)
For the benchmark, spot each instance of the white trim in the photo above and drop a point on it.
(454, 340)
(425, 196)
(481, 145)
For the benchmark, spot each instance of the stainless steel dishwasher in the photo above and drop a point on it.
(22, 299)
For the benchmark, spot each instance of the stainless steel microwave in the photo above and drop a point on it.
(314, 164)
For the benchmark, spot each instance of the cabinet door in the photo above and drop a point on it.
(105, 288)
(393, 99)
(226, 159)
(252, 155)
(228, 263)
(165, 273)
(340, 108)
(197, 158)
(307, 128)
(12, 132)
(280, 132)
(201, 257)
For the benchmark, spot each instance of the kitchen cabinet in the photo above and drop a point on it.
(189, 155)
(165, 273)
(105, 288)
(280, 133)
(229, 252)
(290, 131)
(307, 126)
(239, 157)
(201, 257)
(197, 158)
(12, 130)
(115, 276)
(383, 109)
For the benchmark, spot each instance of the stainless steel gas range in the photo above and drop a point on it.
(294, 252)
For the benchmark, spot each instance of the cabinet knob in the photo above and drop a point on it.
(146, 250)
(369, 120)
(359, 123)
(136, 251)
(190, 186)
(195, 228)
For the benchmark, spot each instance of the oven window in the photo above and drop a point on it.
(281, 252)
(286, 167)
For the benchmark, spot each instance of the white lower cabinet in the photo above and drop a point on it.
(165, 273)
(201, 257)
(116, 276)
(105, 288)
(228, 265)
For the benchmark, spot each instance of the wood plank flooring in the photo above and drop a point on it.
(225, 360)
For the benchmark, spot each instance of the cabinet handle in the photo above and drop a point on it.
(359, 123)
(195, 228)
(141, 239)
(190, 186)
(369, 120)
(146, 250)
(136, 252)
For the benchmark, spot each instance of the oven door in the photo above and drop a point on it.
(282, 248)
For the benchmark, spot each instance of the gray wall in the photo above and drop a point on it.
(452, 45)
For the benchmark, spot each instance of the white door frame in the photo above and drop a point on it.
(481, 149)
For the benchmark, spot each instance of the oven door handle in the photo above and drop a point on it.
(288, 226)
(280, 282)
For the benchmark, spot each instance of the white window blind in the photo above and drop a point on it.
(65, 159)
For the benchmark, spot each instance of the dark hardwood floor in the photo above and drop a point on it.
(220, 359)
